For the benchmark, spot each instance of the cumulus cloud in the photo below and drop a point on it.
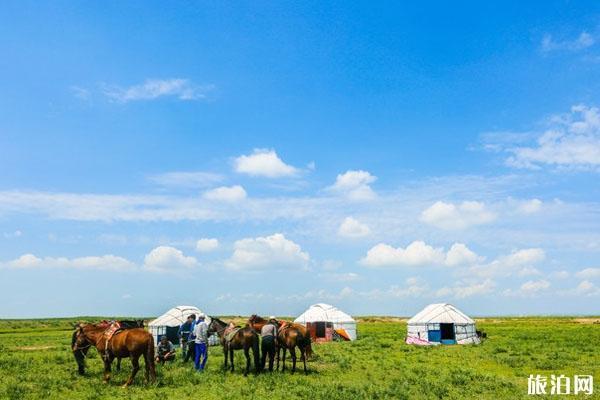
(230, 194)
(11, 235)
(275, 251)
(418, 253)
(264, 162)
(530, 206)
(465, 289)
(451, 216)
(460, 254)
(106, 262)
(588, 273)
(167, 258)
(571, 141)
(340, 277)
(523, 260)
(206, 245)
(355, 185)
(529, 289)
(194, 179)
(151, 89)
(581, 42)
(352, 228)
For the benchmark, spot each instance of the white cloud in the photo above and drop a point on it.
(106, 262)
(572, 141)
(11, 235)
(273, 251)
(186, 179)
(535, 286)
(417, 253)
(166, 258)
(561, 275)
(452, 217)
(264, 162)
(460, 254)
(530, 206)
(583, 41)
(206, 245)
(467, 289)
(522, 260)
(341, 277)
(182, 89)
(587, 288)
(352, 228)
(588, 273)
(355, 185)
(230, 194)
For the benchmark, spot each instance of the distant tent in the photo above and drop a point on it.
(441, 324)
(326, 322)
(168, 323)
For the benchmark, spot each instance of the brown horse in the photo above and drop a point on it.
(132, 343)
(244, 338)
(290, 335)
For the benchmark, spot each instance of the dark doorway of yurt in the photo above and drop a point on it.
(447, 333)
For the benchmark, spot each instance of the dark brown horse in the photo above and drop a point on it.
(290, 335)
(132, 343)
(244, 338)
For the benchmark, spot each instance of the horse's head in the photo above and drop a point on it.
(80, 346)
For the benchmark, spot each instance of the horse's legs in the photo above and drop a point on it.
(107, 361)
(231, 359)
(284, 351)
(225, 353)
(118, 364)
(303, 353)
(247, 354)
(135, 362)
(293, 354)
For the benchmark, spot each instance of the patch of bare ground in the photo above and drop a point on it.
(34, 348)
(587, 320)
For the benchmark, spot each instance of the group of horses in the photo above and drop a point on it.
(136, 342)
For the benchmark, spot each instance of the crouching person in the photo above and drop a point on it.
(165, 351)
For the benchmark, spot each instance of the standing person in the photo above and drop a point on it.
(201, 343)
(165, 350)
(268, 334)
(184, 332)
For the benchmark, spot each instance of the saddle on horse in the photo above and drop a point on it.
(230, 333)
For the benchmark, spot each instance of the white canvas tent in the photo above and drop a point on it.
(320, 316)
(168, 323)
(441, 324)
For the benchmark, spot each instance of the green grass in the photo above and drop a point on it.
(36, 363)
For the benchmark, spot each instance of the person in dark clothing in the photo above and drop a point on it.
(268, 335)
(165, 351)
(184, 333)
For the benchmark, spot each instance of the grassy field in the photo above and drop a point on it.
(36, 363)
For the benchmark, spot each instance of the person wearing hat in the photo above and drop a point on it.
(201, 343)
(268, 334)
(185, 337)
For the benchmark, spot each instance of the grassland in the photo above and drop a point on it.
(36, 363)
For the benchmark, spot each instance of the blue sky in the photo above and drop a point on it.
(260, 157)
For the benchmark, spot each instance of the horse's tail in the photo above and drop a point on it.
(149, 359)
(256, 352)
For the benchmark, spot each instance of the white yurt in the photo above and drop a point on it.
(325, 322)
(441, 324)
(168, 323)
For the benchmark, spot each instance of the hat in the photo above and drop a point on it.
(201, 316)
(272, 317)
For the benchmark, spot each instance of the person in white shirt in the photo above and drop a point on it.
(201, 343)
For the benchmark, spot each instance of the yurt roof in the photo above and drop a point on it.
(442, 313)
(323, 312)
(175, 316)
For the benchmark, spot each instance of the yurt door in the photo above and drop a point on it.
(448, 335)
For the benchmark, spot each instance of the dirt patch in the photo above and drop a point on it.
(587, 320)
(34, 348)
